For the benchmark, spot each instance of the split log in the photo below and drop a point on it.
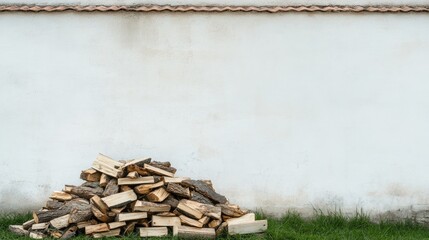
(206, 209)
(27, 225)
(158, 195)
(104, 179)
(159, 221)
(90, 175)
(214, 223)
(114, 225)
(204, 220)
(61, 196)
(97, 202)
(249, 227)
(69, 233)
(37, 235)
(118, 210)
(144, 206)
(108, 166)
(204, 189)
(19, 230)
(86, 192)
(166, 214)
(221, 229)
(174, 179)
(231, 210)
(91, 184)
(138, 162)
(80, 215)
(190, 222)
(40, 226)
(166, 166)
(81, 225)
(112, 233)
(198, 197)
(135, 181)
(153, 232)
(122, 217)
(60, 222)
(193, 232)
(111, 188)
(246, 218)
(102, 227)
(133, 174)
(178, 190)
(120, 199)
(139, 169)
(102, 217)
(124, 188)
(53, 204)
(189, 211)
(146, 188)
(170, 200)
(158, 171)
(130, 228)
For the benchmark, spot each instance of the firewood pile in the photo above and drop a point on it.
(140, 196)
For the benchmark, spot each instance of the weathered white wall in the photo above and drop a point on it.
(279, 110)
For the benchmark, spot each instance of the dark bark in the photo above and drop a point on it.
(205, 190)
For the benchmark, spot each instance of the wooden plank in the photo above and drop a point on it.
(158, 171)
(193, 232)
(189, 211)
(112, 233)
(119, 199)
(249, 227)
(60, 222)
(102, 227)
(159, 221)
(157, 195)
(107, 166)
(144, 206)
(146, 188)
(246, 218)
(190, 222)
(136, 181)
(114, 225)
(122, 217)
(153, 231)
(174, 179)
(61, 196)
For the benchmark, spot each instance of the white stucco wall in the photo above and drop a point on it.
(279, 110)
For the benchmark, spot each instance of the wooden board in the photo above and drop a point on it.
(153, 231)
(158, 221)
(107, 166)
(193, 232)
(190, 222)
(122, 217)
(144, 206)
(136, 181)
(112, 233)
(102, 227)
(158, 171)
(119, 199)
(246, 228)
(60, 222)
(157, 195)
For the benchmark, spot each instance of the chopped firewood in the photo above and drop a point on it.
(214, 223)
(102, 217)
(178, 190)
(120, 199)
(55, 233)
(118, 210)
(139, 169)
(131, 216)
(69, 233)
(190, 222)
(19, 230)
(81, 225)
(46, 216)
(158, 171)
(198, 197)
(97, 202)
(166, 214)
(189, 211)
(129, 228)
(153, 231)
(27, 225)
(86, 192)
(146, 188)
(40, 226)
(114, 225)
(176, 212)
(205, 189)
(104, 179)
(37, 235)
(136, 181)
(170, 200)
(138, 162)
(133, 175)
(60, 222)
(111, 188)
(108, 166)
(144, 206)
(90, 184)
(90, 175)
(249, 217)
(102, 227)
(124, 188)
(204, 220)
(112, 233)
(231, 210)
(61, 196)
(249, 227)
(80, 215)
(143, 222)
(166, 166)
(174, 179)
(193, 232)
(206, 209)
(158, 221)
(158, 195)
(67, 188)
(53, 204)
(221, 229)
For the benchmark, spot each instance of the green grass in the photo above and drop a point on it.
(292, 226)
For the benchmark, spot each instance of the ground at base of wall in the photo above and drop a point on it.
(292, 226)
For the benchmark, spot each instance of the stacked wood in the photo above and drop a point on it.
(140, 196)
